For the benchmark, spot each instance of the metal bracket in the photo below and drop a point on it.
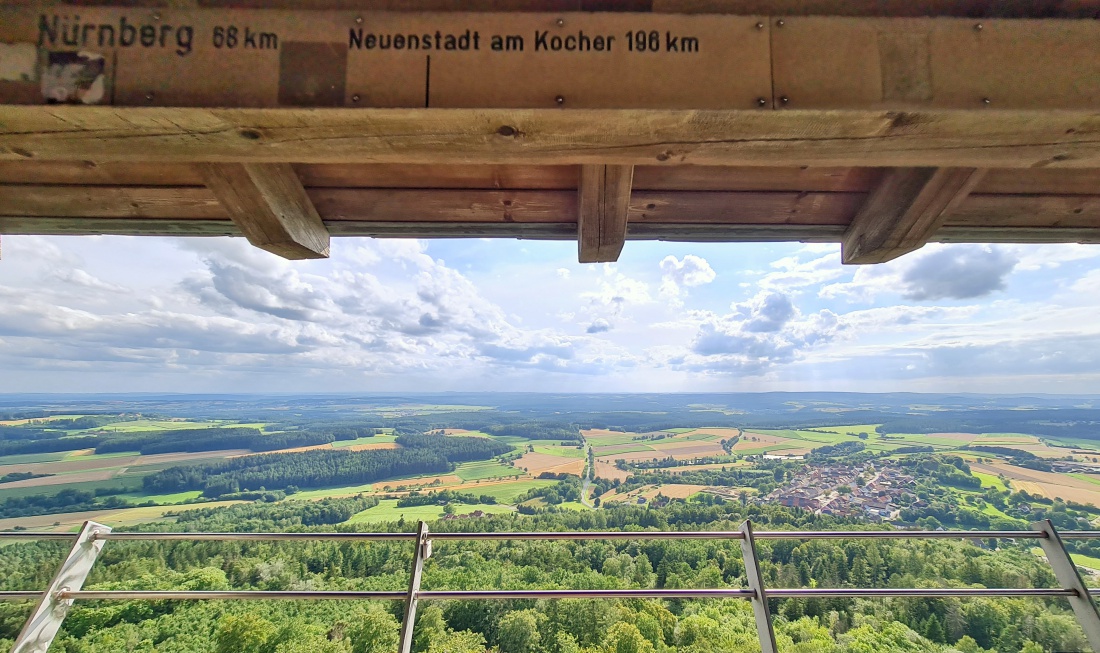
(759, 595)
(1068, 577)
(45, 621)
(423, 550)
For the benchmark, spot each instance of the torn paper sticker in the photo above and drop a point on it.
(74, 77)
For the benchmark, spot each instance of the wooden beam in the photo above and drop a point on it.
(603, 205)
(905, 211)
(980, 139)
(270, 206)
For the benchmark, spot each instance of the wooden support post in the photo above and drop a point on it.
(45, 621)
(270, 207)
(604, 200)
(756, 583)
(904, 211)
(1084, 608)
(423, 552)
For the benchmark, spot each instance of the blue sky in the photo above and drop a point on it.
(114, 314)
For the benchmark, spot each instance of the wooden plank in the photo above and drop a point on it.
(603, 203)
(514, 177)
(999, 211)
(111, 202)
(1040, 182)
(272, 58)
(270, 206)
(887, 8)
(423, 206)
(883, 8)
(536, 231)
(385, 205)
(754, 208)
(741, 233)
(81, 226)
(903, 212)
(323, 176)
(1029, 235)
(945, 63)
(801, 178)
(91, 173)
(1008, 139)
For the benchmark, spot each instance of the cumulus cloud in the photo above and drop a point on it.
(757, 335)
(389, 308)
(687, 273)
(599, 325)
(962, 272)
(933, 273)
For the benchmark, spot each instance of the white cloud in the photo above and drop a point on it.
(678, 274)
(933, 273)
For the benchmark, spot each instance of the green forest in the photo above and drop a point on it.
(544, 626)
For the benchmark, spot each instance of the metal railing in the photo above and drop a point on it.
(53, 604)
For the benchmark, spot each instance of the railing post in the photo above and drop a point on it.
(45, 621)
(1068, 577)
(423, 552)
(756, 584)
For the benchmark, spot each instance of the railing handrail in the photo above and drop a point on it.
(53, 603)
(899, 534)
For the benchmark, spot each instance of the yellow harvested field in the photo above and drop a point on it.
(455, 431)
(596, 433)
(698, 468)
(633, 455)
(689, 449)
(373, 445)
(83, 463)
(649, 492)
(121, 517)
(1047, 484)
(62, 479)
(609, 470)
(537, 463)
(677, 491)
(408, 483)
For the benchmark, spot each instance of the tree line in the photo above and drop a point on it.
(419, 454)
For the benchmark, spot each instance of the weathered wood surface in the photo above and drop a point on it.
(905, 211)
(270, 206)
(1010, 181)
(603, 207)
(1005, 139)
(143, 205)
(908, 8)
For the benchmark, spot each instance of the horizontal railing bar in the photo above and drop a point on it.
(559, 535)
(1079, 535)
(797, 592)
(383, 537)
(593, 535)
(939, 592)
(586, 594)
(894, 535)
(19, 596)
(36, 535)
(157, 595)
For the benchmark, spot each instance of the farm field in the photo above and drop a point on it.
(537, 463)
(473, 471)
(1046, 484)
(69, 521)
(387, 510)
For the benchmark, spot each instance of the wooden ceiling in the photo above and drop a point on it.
(880, 124)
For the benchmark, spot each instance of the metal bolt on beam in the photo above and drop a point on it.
(760, 596)
(45, 621)
(1084, 608)
(423, 550)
